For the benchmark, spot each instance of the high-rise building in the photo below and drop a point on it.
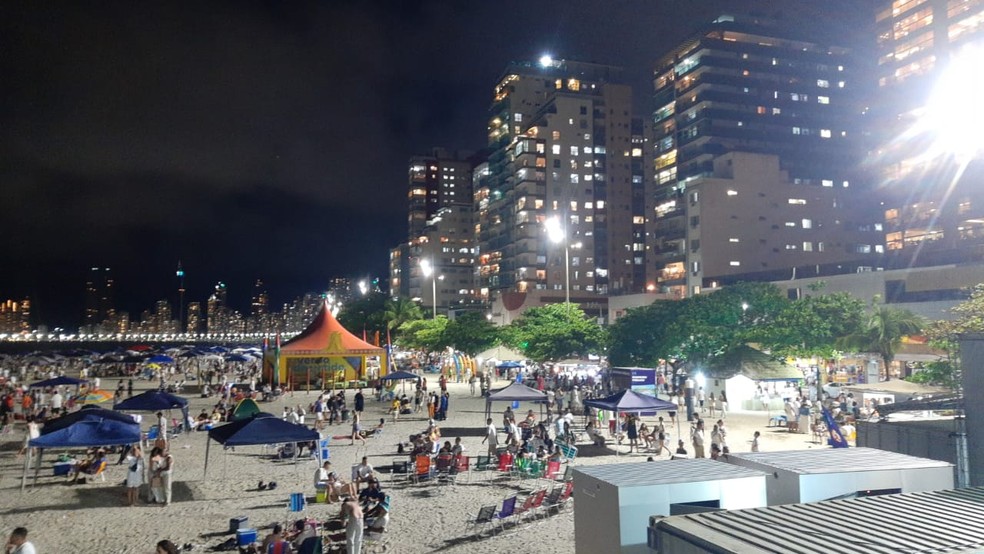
(932, 194)
(754, 85)
(100, 311)
(15, 316)
(194, 324)
(440, 233)
(562, 144)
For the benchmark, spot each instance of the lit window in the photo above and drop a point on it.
(825, 133)
(517, 117)
(823, 83)
(807, 247)
(790, 224)
(587, 149)
(588, 205)
(846, 184)
(601, 204)
(797, 130)
(574, 150)
(555, 135)
(797, 201)
(807, 223)
(555, 149)
(733, 239)
(840, 84)
(823, 99)
(827, 182)
(732, 192)
(734, 263)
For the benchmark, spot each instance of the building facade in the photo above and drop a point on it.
(436, 264)
(562, 144)
(752, 85)
(932, 207)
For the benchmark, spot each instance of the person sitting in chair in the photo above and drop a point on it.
(95, 464)
(378, 516)
(596, 437)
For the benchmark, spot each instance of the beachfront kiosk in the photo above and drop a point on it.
(323, 356)
(797, 476)
(615, 501)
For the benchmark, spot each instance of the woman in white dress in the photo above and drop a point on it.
(134, 474)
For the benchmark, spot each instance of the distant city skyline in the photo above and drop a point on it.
(280, 155)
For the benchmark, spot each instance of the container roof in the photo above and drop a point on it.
(948, 521)
(665, 472)
(838, 460)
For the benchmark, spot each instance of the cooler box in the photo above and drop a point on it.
(63, 468)
(296, 501)
(245, 537)
(237, 523)
(321, 494)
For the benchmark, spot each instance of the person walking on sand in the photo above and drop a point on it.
(357, 429)
(491, 435)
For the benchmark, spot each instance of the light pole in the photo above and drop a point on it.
(557, 235)
(428, 270)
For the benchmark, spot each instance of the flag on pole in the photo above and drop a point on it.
(276, 362)
(836, 439)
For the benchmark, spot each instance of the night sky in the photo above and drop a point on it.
(270, 139)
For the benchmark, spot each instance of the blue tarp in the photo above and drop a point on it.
(87, 413)
(104, 432)
(152, 401)
(400, 376)
(58, 381)
(261, 429)
(631, 401)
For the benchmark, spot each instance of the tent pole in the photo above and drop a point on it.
(208, 442)
(27, 467)
(37, 467)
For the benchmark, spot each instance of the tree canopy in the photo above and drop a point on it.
(554, 332)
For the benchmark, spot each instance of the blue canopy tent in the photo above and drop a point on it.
(401, 376)
(152, 401)
(516, 392)
(160, 359)
(81, 434)
(631, 401)
(58, 381)
(155, 401)
(263, 428)
(88, 412)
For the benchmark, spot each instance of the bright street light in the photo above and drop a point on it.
(556, 234)
(428, 270)
(954, 113)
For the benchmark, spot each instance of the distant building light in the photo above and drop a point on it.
(546, 60)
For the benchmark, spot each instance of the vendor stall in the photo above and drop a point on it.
(614, 501)
(823, 474)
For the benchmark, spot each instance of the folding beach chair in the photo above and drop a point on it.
(422, 468)
(507, 511)
(481, 520)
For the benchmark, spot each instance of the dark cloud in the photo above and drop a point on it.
(245, 138)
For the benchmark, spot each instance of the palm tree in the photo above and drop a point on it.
(400, 310)
(883, 332)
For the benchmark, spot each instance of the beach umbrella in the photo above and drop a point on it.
(161, 359)
(132, 359)
(139, 348)
(95, 397)
(236, 358)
